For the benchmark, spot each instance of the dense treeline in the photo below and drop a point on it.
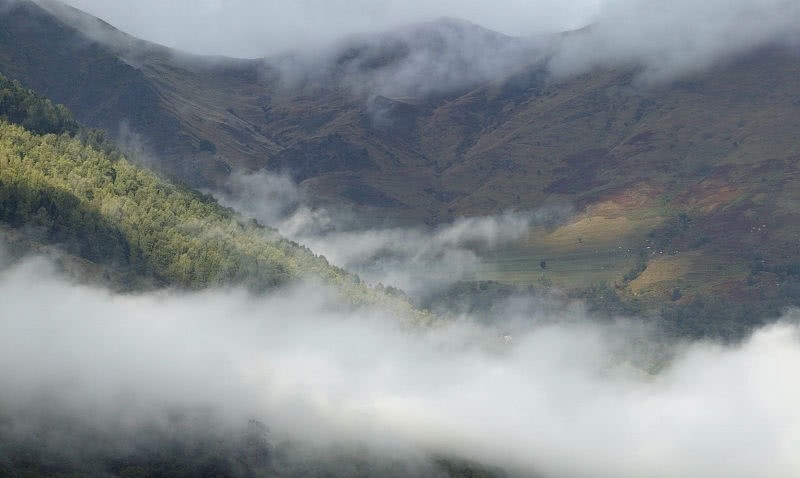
(39, 115)
(110, 210)
(699, 316)
(55, 216)
(69, 185)
(36, 114)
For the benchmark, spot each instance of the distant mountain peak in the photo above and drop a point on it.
(417, 60)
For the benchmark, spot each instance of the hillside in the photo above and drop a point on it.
(65, 188)
(68, 193)
(714, 154)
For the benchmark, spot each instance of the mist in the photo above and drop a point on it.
(403, 50)
(252, 28)
(671, 40)
(559, 395)
(420, 260)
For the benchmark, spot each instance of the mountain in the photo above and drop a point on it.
(679, 188)
(64, 185)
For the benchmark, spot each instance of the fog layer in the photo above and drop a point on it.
(254, 28)
(675, 38)
(563, 396)
(420, 260)
(666, 40)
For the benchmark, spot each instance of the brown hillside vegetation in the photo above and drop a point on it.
(719, 148)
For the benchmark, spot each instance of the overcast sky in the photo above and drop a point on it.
(668, 37)
(259, 27)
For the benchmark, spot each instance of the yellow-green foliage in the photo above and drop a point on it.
(70, 191)
(64, 183)
(108, 210)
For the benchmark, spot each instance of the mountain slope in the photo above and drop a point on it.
(102, 88)
(67, 191)
(64, 188)
(718, 149)
(474, 148)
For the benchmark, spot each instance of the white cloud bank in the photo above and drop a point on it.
(566, 398)
(420, 260)
(666, 38)
(253, 28)
(674, 38)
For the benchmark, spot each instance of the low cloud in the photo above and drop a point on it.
(564, 396)
(420, 260)
(399, 50)
(253, 28)
(416, 61)
(661, 42)
(673, 39)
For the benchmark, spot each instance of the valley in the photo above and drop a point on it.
(432, 250)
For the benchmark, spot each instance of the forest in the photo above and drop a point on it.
(70, 186)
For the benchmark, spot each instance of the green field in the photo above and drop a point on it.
(589, 250)
(577, 268)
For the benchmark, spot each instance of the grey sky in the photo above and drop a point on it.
(259, 27)
(668, 38)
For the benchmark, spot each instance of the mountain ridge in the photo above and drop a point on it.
(718, 147)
